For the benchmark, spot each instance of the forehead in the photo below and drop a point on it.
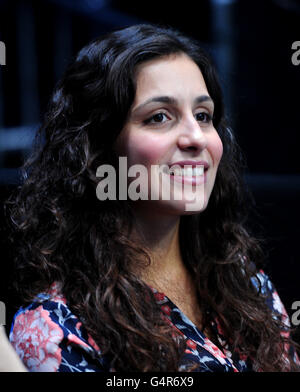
(176, 75)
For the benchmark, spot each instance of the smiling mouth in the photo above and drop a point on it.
(189, 174)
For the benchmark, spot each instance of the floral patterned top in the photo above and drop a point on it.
(48, 337)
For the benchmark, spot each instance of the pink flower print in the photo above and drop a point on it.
(191, 344)
(166, 309)
(76, 340)
(159, 296)
(213, 349)
(55, 294)
(277, 304)
(36, 339)
(93, 344)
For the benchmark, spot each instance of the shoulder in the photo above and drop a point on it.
(264, 285)
(279, 312)
(48, 337)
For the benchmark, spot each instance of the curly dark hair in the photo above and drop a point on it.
(62, 233)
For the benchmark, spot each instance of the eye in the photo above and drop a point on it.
(157, 118)
(203, 117)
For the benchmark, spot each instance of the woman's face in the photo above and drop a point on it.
(170, 124)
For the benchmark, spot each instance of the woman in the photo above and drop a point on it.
(146, 284)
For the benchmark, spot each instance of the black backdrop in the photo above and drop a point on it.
(251, 44)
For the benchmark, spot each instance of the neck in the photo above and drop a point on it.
(159, 235)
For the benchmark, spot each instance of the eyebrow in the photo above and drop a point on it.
(172, 100)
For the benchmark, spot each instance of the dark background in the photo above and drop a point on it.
(250, 42)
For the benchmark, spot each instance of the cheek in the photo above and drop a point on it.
(215, 148)
(145, 149)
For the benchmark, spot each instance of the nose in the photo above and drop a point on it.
(191, 136)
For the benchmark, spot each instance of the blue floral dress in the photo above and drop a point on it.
(48, 337)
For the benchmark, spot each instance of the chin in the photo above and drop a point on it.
(180, 208)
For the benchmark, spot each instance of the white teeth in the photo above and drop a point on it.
(199, 170)
(189, 172)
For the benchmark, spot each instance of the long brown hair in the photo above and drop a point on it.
(63, 233)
